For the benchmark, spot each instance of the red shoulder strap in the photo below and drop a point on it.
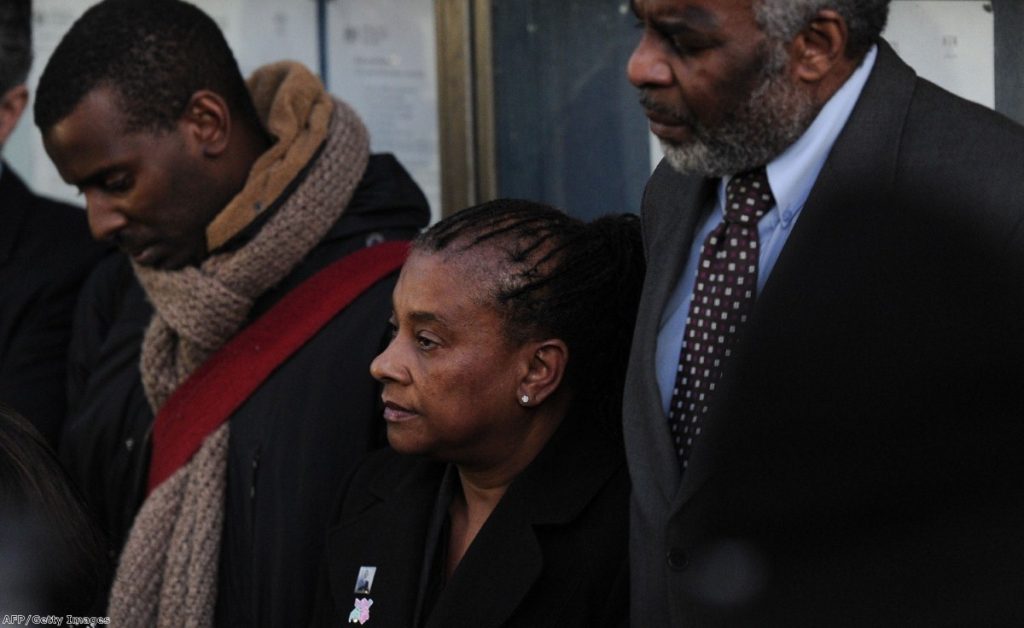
(222, 384)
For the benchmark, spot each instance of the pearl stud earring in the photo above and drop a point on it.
(525, 399)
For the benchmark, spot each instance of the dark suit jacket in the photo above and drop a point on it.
(863, 462)
(553, 552)
(45, 254)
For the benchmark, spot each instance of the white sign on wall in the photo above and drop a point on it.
(383, 62)
(951, 43)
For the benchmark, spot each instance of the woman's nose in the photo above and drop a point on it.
(385, 366)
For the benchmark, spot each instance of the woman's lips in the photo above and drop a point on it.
(396, 413)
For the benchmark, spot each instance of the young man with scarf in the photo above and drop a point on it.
(230, 201)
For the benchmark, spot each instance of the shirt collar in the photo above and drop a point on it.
(791, 175)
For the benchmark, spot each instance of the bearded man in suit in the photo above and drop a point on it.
(824, 409)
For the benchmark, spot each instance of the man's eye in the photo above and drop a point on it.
(683, 41)
(678, 45)
(686, 45)
(118, 184)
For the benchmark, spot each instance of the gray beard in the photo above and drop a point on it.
(774, 115)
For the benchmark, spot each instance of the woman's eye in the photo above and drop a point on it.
(425, 343)
(392, 330)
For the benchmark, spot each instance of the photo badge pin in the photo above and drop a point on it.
(364, 579)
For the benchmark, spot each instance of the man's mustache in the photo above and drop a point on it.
(677, 116)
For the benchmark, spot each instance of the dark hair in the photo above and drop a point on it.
(865, 19)
(559, 277)
(155, 55)
(15, 42)
(55, 558)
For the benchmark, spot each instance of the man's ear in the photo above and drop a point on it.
(545, 369)
(818, 52)
(12, 104)
(207, 120)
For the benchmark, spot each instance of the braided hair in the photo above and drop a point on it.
(556, 276)
(155, 55)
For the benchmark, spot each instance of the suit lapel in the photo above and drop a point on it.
(837, 228)
(673, 205)
(14, 203)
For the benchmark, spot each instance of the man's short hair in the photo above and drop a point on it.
(15, 42)
(865, 19)
(153, 54)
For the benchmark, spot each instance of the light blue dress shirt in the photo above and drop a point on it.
(791, 176)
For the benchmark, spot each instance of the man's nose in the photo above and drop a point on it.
(648, 65)
(104, 218)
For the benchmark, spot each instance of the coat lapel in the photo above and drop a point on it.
(506, 559)
(390, 535)
(494, 576)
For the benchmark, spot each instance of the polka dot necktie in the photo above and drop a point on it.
(723, 298)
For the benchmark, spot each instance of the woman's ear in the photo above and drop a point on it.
(207, 120)
(546, 363)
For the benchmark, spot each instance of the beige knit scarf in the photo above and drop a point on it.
(167, 573)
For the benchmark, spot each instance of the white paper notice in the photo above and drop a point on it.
(948, 42)
(382, 61)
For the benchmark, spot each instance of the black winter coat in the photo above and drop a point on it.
(292, 442)
(554, 553)
(45, 255)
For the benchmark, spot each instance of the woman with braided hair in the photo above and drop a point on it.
(504, 498)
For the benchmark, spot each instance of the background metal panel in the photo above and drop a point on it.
(568, 127)
(1009, 25)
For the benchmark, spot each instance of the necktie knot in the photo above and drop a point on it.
(748, 196)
